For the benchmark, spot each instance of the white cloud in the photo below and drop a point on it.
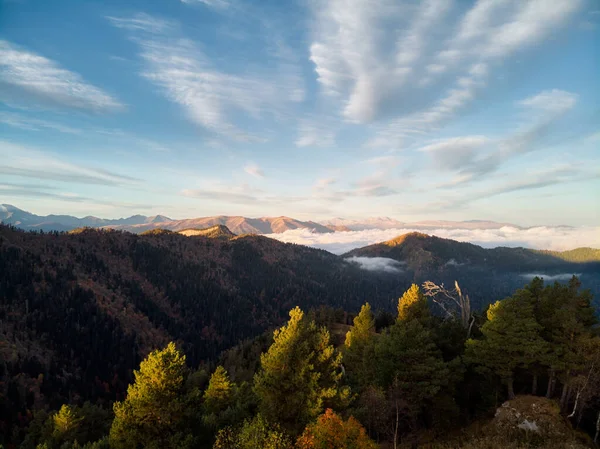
(542, 237)
(25, 162)
(43, 80)
(383, 264)
(352, 58)
(532, 22)
(472, 157)
(351, 51)
(210, 3)
(33, 124)
(530, 180)
(254, 170)
(142, 22)
(553, 101)
(453, 153)
(316, 133)
(209, 96)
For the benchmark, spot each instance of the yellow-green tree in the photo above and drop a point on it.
(154, 413)
(363, 328)
(357, 347)
(218, 397)
(299, 373)
(413, 305)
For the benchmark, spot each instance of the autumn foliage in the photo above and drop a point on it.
(330, 431)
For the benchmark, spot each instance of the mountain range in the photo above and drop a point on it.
(239, 225)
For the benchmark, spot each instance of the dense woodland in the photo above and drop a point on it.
(80, 311)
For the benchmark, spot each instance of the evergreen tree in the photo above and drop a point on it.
(567, 316)
(66, 424)
(511, 339)
(363, 329)
(357, 347)
(299, 373)
(154, 413)
(219, 392)
(406, 355)
(413, 306)
(219, 408)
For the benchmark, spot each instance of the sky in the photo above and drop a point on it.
(434, 109)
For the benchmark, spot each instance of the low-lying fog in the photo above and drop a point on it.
(542, 237)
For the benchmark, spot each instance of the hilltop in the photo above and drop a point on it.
(425, 252)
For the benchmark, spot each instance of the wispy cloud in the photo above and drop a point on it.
(44, 192)
(209, 96)
(220, 4)
(219, 195)
(143, 22)
(34, 124)
(472, 157)
(43, 80)
(254, 170)
(437, 65)
(316, 133)
(453, 153)
(352, 55)
(25, 162)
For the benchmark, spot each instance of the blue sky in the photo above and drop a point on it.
(437, 109)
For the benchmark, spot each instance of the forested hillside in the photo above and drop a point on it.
(80, 310)
(414, 381)
(487, 274)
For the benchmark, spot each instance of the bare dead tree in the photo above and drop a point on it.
(452, 302)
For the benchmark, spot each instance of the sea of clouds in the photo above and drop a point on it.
(541, 237)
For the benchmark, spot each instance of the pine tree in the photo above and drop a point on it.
(357, 347)
(567, 316)
(406, 355)
(299, 373)
(218, 399)
(363, 329)
(219, 392)
(65, 425)
(511, 339)
(413, 306)
(153, 415)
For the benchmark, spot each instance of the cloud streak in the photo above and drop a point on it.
(209, 97)
(24, 162)
(44, 80)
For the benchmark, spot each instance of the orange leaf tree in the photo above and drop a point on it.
(332, 432)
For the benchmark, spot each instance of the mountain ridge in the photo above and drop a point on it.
(422, 251)
(12, 215)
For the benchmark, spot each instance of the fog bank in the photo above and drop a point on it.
(541, 237)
